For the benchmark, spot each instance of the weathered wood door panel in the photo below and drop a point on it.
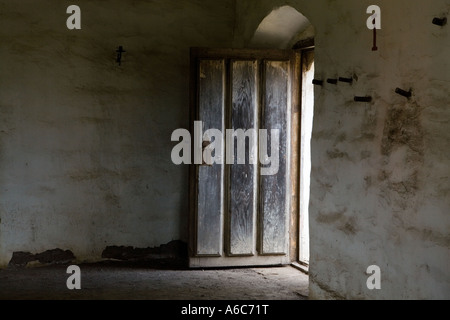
(210, 202)
(242, 205)
(238, 216)
(274, 210)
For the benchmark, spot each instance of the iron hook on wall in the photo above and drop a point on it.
(406, 94)
(440, 21)
(347, 80)
(317, 82)
(332, 81)
(363, 99)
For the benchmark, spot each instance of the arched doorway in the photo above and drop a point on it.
(286, 28)
(243, 218)
(283, 28)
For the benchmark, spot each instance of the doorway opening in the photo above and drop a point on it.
(237, 216)
(307, 116)
(284, 28)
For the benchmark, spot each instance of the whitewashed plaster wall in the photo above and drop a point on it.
(380, 187)
(85, 143)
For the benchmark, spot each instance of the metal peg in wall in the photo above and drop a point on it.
(406, 94)
(317, 82)
(347, 80)
(332, 81)
(440, 21)
(363, 99)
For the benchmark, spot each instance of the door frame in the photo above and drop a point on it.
(198, 53)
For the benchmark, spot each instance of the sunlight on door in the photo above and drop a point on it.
(306, 131)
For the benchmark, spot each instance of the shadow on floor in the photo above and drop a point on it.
(154, 280)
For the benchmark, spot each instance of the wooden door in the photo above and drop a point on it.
(239, 216)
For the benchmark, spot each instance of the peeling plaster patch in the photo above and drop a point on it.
(336, 154)
(431, 236)
(56, 256)
(344, 223)
(331, 217)
(172, 250)
(21, 259)
(405, 187)
(403, 127)
(330, 293)
(403, 151)
(349, 226)
(340, 138)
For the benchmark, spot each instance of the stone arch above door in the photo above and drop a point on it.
(280, 29)
(250, 15)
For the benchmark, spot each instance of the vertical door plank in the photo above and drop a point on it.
(274, 210)
(242, 199)
(210, 194)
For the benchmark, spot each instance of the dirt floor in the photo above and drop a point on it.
(109, 281)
